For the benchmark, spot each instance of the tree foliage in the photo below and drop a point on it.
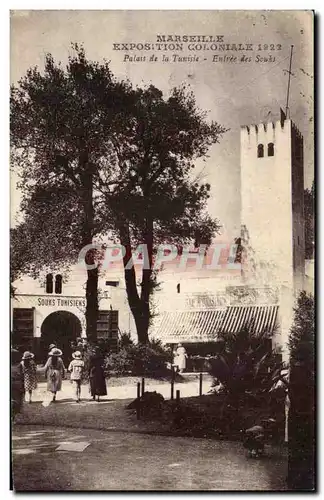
(309, 214)
(160, 202)
(301, 338)
(301, 429)
(60, 123)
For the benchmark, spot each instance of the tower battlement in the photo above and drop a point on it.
(265, 132)
(270, 130)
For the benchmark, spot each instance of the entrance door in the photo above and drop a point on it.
(60, 328)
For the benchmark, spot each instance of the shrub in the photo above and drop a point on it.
(125, 340)
(246, 363)
(150, 403)
(120, 363)
(140, 359)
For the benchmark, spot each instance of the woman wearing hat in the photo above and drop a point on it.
(97, 375)
(54, 371)
(28, 368)
(76, 368)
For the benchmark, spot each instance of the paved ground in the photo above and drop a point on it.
(127, 462)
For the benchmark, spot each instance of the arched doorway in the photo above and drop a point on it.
(60, 328)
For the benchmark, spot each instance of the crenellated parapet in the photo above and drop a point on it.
(263, 133)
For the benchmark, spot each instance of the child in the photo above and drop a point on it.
(76, 368)
(54, 371)
(28, 368)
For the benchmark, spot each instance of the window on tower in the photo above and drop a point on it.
(49, 283)
(270, 149)
(260, 151)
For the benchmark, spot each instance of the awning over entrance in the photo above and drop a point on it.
(204, 326)
(192, 325)
(261, 317)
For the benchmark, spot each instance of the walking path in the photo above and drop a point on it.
(102, 446)
(189, 387)
(60, 459)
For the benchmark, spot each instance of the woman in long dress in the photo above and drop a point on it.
(28, 369)
(54, 371)
(17, 383)
(97, 376)
(180, 358)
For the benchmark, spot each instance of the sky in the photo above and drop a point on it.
(234, 94)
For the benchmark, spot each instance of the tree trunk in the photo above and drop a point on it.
(138, 307)
(88, 232)
(146, 284)
(92, 308)
(142, 317)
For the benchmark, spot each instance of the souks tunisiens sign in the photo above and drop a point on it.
(60, 302)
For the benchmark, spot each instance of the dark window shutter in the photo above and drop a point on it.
(58, 283)
(49, 283)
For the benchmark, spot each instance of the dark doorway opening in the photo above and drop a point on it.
(60, 328)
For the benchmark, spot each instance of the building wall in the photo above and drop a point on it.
(297, 185)
(310, 276)
(31, 293)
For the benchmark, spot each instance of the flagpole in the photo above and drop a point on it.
(288, 89)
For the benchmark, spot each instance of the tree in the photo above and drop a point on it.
(160, 201)
(61, 123)
(309, 214)
(301, 457)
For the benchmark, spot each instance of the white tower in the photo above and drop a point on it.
(272, 208)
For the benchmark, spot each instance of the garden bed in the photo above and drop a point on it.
(210, 416)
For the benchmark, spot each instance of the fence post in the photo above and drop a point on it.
(143, 385)
(172, 382)
(138, 401)
(178, 396)
(200, 383)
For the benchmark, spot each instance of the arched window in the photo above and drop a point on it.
(58, 283)
(260, 151)
(178, 288)
(49, 283)
(270, 149)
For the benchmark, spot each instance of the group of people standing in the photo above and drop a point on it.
(55, 372)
